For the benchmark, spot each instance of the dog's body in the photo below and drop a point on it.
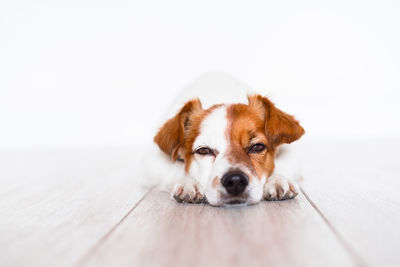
(220, 144)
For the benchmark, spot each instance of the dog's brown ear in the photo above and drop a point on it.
(170, 138)
(280, 127)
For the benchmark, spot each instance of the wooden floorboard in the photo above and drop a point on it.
(56, 205)
(355, 185)
(81, 207)
(161, 232)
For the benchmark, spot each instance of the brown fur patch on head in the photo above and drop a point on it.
(246, 128)
(280, 127)
(259, 122)
(170, 138)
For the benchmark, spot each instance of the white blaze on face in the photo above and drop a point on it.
(212, 134)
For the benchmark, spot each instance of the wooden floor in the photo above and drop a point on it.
(83, 207)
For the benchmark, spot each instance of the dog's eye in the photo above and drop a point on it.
(257, 148)
(204, 151)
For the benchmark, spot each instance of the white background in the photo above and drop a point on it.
(101, 72)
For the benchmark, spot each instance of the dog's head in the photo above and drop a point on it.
(228, 149)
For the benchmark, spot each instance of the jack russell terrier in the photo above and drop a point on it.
(224, 144)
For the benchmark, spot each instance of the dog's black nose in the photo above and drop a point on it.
(235, 182)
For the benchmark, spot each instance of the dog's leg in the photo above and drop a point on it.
(188, 190)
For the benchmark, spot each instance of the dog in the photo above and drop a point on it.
(224, 145)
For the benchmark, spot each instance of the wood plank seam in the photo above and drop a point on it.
(358, 261)
(82, 261)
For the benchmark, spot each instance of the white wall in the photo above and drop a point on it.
(100, 72)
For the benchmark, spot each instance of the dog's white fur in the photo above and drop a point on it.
(217, 88)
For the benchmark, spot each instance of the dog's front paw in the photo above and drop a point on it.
(188, 191)
(280, 188)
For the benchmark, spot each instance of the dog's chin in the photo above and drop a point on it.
(244, 199)
(233, 202)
